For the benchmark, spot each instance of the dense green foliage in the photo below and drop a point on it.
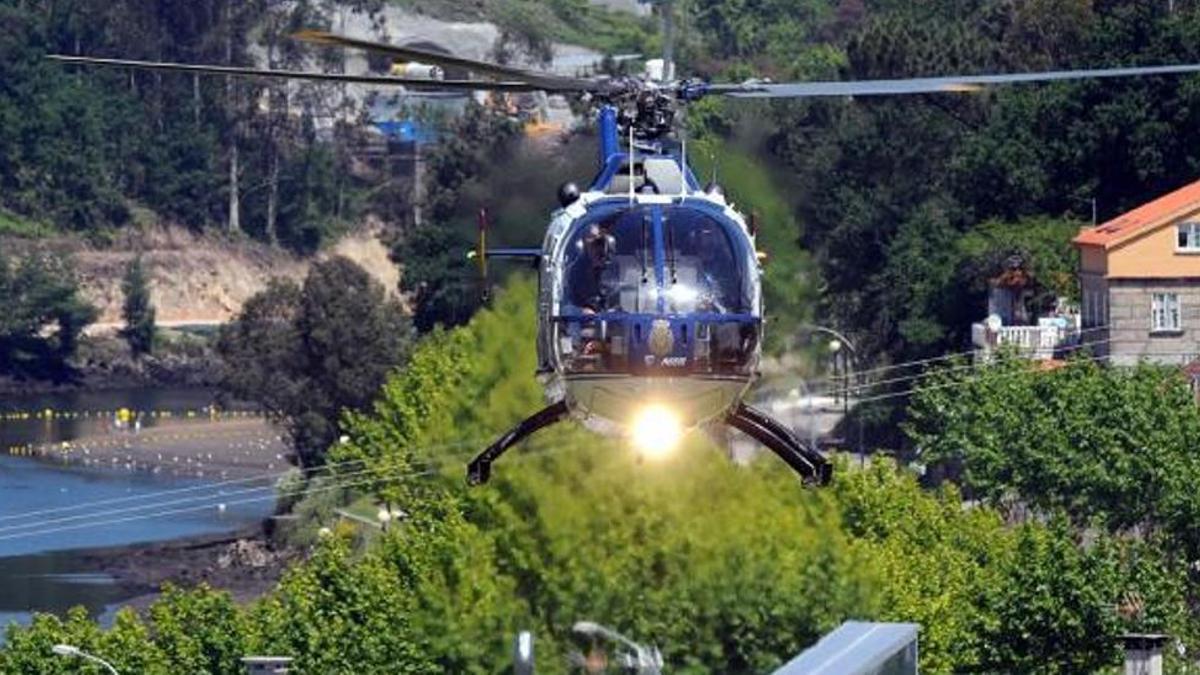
(80, 149)
(136, 310)
(43, 315)
(306, 354)
(589, 532)
(1112, 445)
(728, 569)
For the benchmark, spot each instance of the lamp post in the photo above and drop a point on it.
(70, 650)
(850, 367)
(812, 412)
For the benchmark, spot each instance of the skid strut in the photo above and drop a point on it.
(480, 468)
(810, 464)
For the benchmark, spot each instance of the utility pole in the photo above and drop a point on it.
(418, 191)
(668, 10)
(235, 222)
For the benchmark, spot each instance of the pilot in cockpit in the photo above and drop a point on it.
(695, 286)
(584, 292)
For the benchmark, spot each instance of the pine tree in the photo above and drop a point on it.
(137, 311)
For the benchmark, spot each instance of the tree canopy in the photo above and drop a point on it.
(888, 190)
(1098, 444)
(43, 315)
(81, 148)
(306, 354)
(136, 309)
(725, 568)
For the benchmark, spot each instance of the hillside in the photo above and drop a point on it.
(200, 279)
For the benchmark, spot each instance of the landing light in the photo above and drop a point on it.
(656, 431)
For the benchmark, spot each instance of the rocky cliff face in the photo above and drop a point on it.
(198, 279)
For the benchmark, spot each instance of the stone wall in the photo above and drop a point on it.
(1129, 320)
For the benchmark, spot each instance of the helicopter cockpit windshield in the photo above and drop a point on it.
(657, 286)
(620, 263)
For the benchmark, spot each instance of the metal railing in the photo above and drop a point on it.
(1040, 342)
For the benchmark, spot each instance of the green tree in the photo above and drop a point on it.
(137, 310)
(446, 287)
(199, 630)
(340, 614)
(1095, 443)
(43, 316)
(308, 354)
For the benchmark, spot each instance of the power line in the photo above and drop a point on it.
(851, 389)
(949, 356)
(972, 379)
(340, 485)
(202, 507)
(142, 507)
(198, 488)
(966, 366)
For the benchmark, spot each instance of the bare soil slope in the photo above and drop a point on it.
(204, 279)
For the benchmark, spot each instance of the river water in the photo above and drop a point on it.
(38, 571)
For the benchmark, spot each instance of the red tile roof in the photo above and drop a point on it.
(1146, 216)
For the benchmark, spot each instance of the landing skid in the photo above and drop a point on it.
(810, 464)
(807, 462)
(480, 468)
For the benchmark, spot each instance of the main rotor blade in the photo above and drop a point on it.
(457, 85)
(548, 81)
(931, 85)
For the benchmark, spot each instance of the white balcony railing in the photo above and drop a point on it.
(1039, 342)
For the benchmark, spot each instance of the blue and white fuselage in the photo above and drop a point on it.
(650, 293)
(650, 309)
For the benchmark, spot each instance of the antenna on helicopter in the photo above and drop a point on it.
(631, 173)
(683, 165)
(481, 251)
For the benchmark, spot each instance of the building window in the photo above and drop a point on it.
(1095, 309)
(1189, 237)
(1164, 313)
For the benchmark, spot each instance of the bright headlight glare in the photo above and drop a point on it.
(656, 430)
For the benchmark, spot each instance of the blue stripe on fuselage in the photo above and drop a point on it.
(660, 257)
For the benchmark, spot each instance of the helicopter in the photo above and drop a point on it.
(650, 302)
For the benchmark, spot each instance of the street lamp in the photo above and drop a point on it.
(644, 660)
(69, 650)
(850, 361)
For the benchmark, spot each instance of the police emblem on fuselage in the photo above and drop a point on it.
(662, 341)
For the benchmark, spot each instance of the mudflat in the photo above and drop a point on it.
(216, 449)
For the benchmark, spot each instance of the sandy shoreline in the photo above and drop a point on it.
(216, 449)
